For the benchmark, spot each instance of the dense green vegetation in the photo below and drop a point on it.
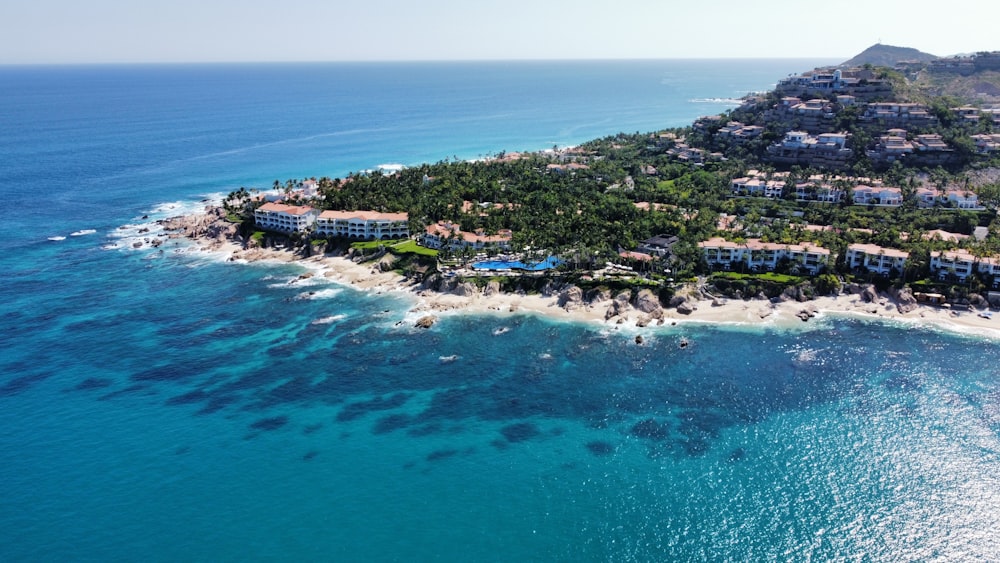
(631, 188)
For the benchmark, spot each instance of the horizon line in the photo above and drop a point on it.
(404, 61)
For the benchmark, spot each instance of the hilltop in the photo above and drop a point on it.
(887, 55)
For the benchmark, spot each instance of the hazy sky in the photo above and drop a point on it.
(73, 31)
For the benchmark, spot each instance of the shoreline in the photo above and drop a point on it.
(208, 235)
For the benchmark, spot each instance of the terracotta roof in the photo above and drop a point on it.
(289, 209)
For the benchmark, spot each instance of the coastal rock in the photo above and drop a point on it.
(677, 300)
(638, 339)
(597, 295)
(718, 302)
(425, 321)
(571, 298)
(492, 288)
(905, 301)
(647, 302)
(643, 321)
(869, 294)
(551, 289)
(465, 289)
(686, 308)
(619, 306)
(806, 313)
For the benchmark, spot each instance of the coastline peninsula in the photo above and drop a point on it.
(843, 190)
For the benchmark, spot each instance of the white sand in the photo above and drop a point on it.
(737, 312)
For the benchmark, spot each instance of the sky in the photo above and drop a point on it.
(135, 31)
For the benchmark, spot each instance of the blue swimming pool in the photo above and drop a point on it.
(547, 264)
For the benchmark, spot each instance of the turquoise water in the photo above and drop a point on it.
(547, 264)
(171, 406)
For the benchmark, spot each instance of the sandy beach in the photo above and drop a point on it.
(208, 236)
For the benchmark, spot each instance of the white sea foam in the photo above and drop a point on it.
(725, 101)
(391, 167)
(83, 232)
(57, 238)
(328, 320)
(321, 294)
(448, 359)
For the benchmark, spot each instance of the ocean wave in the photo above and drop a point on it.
(391, 167)
(321, 294)
(83, 232)
(725, 101)
(328, 320)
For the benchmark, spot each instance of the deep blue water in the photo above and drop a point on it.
(175, 407)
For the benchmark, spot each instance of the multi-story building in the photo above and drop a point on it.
(365, 225)
(875, 259)
(755, 255)
(285, 218)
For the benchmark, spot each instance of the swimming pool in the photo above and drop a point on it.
(547, 264)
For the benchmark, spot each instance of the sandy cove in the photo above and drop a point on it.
(205, 232)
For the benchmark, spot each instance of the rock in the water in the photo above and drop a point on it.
(639, 339)
(426, 321)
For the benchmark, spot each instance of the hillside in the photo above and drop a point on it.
(887, 55)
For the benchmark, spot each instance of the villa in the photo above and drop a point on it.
(759, 256)
(364, 225)
(445, 235)
(952, 264)
(285, 218)
(875, 259)
(884, 196)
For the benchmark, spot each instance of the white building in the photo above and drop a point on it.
(285, 218)
(365, 225)
(755, 255)
(448, 235)
(875, 259)
(954, 264)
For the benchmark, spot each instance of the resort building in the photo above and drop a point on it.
(444, 235)
(875, 259)
(285, 218)
(757, 256)
(364, 225)
(799, 147)
(887, 197)
(952, 264)
(660, 245)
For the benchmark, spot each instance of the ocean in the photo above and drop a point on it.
(166, 406)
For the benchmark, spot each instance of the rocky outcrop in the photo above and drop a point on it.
(869, 294)
(647, 302)
(905, 301)
(619, 306)
(571, 298)
(687, 307)
(426, 321)
(465, 289)
(211, 227)
(806, 313)
(597, 295)
(492, 288)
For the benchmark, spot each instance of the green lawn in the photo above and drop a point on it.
(398, 247)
